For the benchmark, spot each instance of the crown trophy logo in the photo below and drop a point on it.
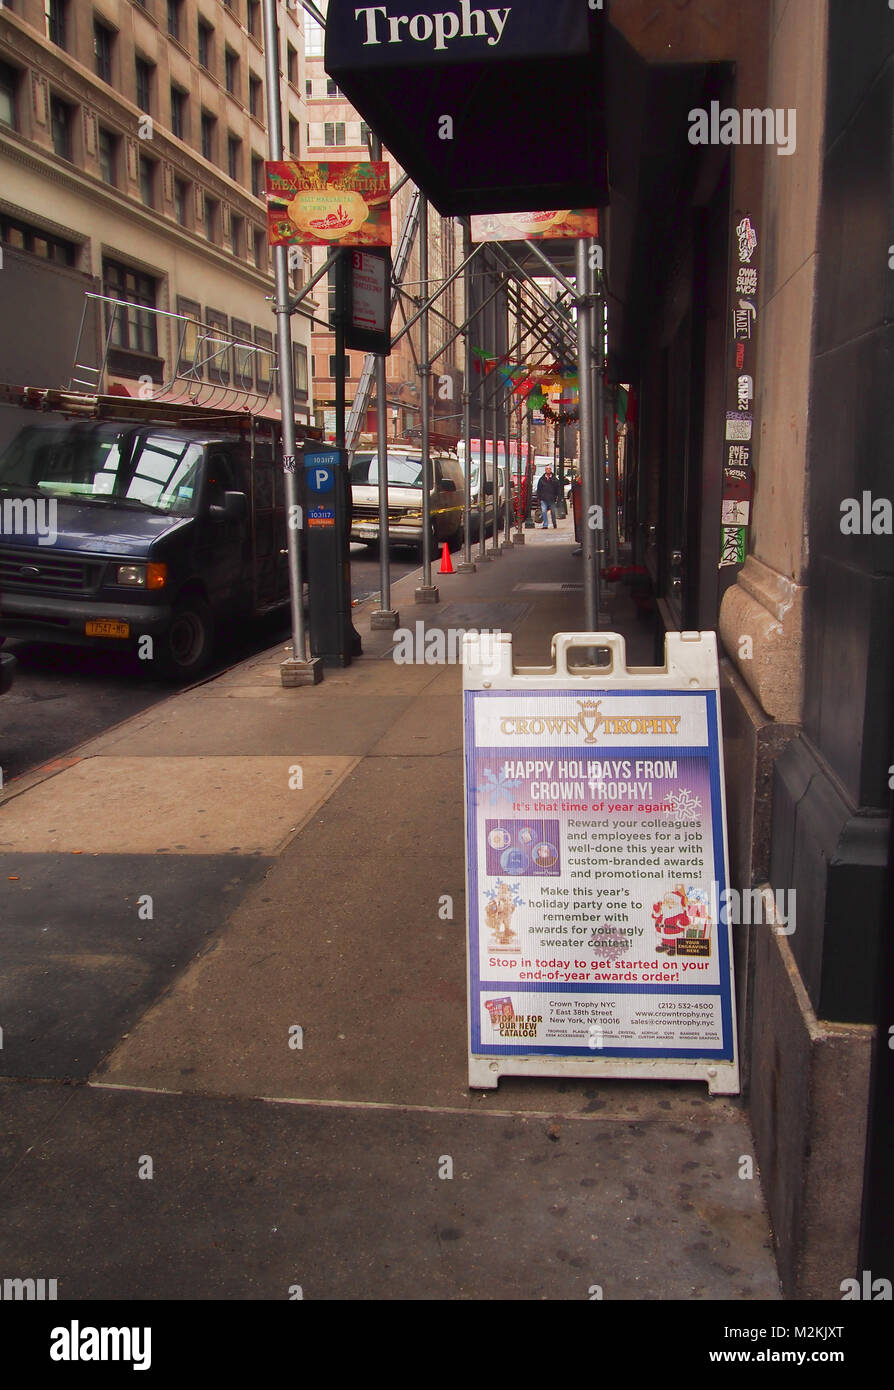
(590, 718)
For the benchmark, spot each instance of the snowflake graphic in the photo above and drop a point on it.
(514, 888)
(684, 805)
(495, 790)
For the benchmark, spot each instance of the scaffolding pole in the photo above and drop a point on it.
(298, 670)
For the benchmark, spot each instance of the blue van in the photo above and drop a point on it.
(114, 531)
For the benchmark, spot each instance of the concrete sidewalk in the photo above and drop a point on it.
(174, 905)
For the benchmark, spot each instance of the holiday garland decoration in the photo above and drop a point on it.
(559, 417)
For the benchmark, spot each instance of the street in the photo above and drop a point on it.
(64, 695)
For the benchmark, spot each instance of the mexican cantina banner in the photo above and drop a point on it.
(596, 875)
(328, 202)
(535, 226)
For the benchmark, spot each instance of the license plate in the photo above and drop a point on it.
(367, 530)
(106, 627)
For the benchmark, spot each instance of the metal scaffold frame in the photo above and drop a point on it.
(537, 318)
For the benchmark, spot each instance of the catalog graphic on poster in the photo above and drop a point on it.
(596, 874)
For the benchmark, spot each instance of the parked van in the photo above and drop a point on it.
(142, 527)
(446, 498)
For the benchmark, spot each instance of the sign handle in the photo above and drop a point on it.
(613, 642)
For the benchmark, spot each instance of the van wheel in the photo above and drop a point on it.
(187, 644)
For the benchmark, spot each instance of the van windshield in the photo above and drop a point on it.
(108, 464)
(402, 471)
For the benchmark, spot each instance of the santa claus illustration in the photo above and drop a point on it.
(671, 918)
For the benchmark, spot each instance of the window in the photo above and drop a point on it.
(331, 88)
(181, 202)
(254, 18)
(144, 84)
(365, 133)
(314, 38)
(260, 247)
(264, 359)
(334, 133)
(132, 329)
(188, 337)
(231, 71)
(291, 64)
(102, 50)
(108, 156)
(234, 156)
(243, 356)
(257, 176)
(212, 210)
(217, 349)
(237, 226)
(254, 95)
(179, 126)
(21, 237)
(308, 88)
(61, 125)
(293, 137)
(206, 35)
(174, 8)
(55, 14)
(208, 124)
(333, 364)
(8, 85)
(299, 371)
(147, 181)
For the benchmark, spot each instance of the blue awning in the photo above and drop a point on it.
(487, 109)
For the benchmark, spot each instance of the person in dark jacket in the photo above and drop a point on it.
(547, 495)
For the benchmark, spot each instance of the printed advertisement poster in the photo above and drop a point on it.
(596, 874)
(328, 202)
(535, 226)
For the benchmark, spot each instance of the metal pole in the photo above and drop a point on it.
(596, 335)
(585, 379)
(340, 365)
(311, 671)
(427, 593)
(385, 617)
(495, 543)
(612, 478)
(467, 564)
(482, 331)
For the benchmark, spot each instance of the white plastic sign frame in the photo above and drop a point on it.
(587, 789)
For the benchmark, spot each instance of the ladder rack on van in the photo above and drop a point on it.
(135, 409)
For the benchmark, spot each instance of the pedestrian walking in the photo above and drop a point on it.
(547, 495)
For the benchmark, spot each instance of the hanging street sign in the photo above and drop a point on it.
(464, 98)
(535, 226)
(596, 865)
(368, 310)
(328, 202)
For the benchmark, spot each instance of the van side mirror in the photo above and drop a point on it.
(234, 508)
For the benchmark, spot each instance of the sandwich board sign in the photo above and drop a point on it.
(596, 865)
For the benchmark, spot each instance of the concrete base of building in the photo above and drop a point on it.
(808, 1103)
(384, 619)
(752, 742)
(294, 672)
(426, 593)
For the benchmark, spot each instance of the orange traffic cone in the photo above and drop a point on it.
(446, 567)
